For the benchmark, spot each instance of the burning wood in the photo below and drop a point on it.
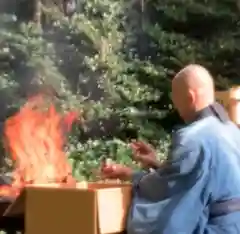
(35, 140)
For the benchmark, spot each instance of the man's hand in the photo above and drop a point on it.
(116, 171)
(145, 154)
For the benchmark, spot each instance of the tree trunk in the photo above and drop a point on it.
(38, 12)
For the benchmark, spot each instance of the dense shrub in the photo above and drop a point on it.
(113, 61)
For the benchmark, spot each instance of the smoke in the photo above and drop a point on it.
(47, 69)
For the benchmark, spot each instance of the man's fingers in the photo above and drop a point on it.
(108, 169)
(134, 146)
(108, 172)
(141, 146)
(145, 145)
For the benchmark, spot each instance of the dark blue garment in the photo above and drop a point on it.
(203, 168)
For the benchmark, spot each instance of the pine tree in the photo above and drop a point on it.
(113, 61)
(175, 33)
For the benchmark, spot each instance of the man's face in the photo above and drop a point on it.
(177, 101)
(182, 99)
(177, 98)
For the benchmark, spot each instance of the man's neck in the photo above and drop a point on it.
(193, 114)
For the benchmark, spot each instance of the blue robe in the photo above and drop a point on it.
(197, 191)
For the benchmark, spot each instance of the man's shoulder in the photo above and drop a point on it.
(194, 132)
(208, 128)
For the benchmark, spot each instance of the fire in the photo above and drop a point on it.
(35, 140)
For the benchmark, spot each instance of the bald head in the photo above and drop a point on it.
(192, 90)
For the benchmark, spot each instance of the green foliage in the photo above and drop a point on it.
(86, 158)
(113, 62)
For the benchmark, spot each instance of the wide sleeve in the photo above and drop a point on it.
(173, 198)
(137, 176)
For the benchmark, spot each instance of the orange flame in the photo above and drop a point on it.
(35, 139)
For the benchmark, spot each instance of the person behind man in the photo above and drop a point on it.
(197, 190)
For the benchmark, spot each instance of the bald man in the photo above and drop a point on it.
(197, 190)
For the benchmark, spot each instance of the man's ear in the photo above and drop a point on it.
(191, 97)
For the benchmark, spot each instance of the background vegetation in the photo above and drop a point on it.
(113, 61)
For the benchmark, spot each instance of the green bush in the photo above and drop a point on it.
(113, 61)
